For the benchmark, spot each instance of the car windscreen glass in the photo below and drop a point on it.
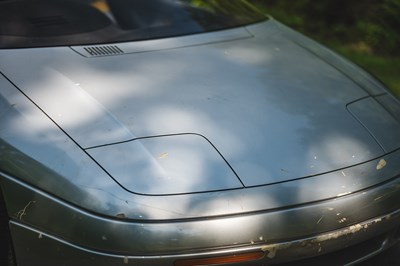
(35, 23)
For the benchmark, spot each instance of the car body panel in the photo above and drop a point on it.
(275, 118)
(90, 187)
(359, 76)
(367, 237)
(384, 127)
(75, 169)
(163, 43)
(176, 164)
(390, 104)
(120, 236)
(104, 196)
(285, 133)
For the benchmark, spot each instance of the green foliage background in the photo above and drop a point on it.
(367, 32)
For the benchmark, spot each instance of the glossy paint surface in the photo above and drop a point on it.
(167, 165)
(255, 136)
(264, 118)
(264, 102)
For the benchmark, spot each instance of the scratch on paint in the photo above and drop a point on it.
(316, 243)
(351, 230)
(274, 248)
(378, 198)
(22, 212)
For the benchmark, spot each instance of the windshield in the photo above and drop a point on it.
(35, 23)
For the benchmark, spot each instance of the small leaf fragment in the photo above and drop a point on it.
(381, 164)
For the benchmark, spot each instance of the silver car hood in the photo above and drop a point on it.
(240, 108)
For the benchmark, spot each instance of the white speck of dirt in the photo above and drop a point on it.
(40, 236)
(382, 163)
(104, 238)
(343, 173)
(163, 155)
(126, 260)
(121, 215)
(261, 238)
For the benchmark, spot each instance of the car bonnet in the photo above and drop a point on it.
(214, 111)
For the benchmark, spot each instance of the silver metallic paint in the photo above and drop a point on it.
(60, 110)
(206, 89)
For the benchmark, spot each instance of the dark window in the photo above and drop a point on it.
(33, 23)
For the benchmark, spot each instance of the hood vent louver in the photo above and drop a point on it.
(142, 46)
(103, 50)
